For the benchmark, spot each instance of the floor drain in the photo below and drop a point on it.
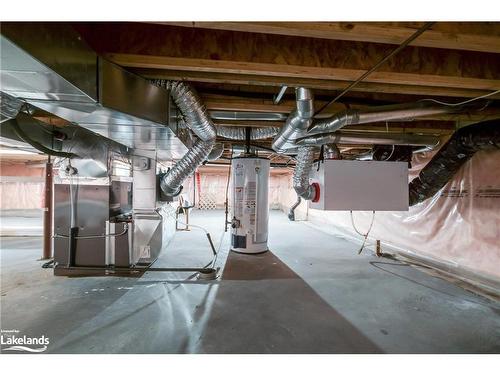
(207, 274)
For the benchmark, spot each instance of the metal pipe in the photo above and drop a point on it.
(47, 214)
(197, 119)
(332, 151)
(406, 111)
(291, 211)
(378, 138)
(297, 122)
(280, 94)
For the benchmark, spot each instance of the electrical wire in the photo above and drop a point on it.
(361, 234)
(464, 102)
(414, 36)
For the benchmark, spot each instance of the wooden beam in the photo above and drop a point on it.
(450, 38)
(330, 85)
(267, 59)
(296, 71)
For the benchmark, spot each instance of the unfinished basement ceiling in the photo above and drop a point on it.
(240, 67)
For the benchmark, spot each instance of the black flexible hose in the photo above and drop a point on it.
(21, 134)
(462, 145)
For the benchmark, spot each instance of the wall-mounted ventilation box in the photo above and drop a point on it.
(350, 185)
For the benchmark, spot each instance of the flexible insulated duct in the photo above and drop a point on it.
(305, 160)
(460, 147)
(297, 122)
(197, 119)
(406, 111)
(238, 133)
(216, 152)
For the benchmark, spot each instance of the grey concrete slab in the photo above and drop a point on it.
(311, 293)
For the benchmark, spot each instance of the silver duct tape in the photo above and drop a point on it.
(9, 107)
(305, 160)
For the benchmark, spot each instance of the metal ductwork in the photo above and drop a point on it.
(9, 107)
(198, 121)
(239, 133)
(50, 67)
(216, 152)
(454, 153)
(297, 122)
(305, 160)
(378, 138)
(406, 111)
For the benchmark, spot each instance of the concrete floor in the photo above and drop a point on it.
(311, 293)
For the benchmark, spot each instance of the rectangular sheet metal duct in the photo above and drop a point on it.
(49, 66)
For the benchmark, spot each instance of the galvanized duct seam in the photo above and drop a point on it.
(454, 153)
(197, 119)
(305, 160)
(238, 133)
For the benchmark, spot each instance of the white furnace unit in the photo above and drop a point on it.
(250, 214)
(351, 185)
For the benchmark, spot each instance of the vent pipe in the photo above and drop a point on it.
(297, 122)
(305, 160)
(197, 120)
(462, 145)
(238, 133)
(378, 138)
(406, 111)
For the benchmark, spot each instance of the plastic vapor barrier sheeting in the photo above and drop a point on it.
(459, 226)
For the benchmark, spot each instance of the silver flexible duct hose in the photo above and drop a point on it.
(297, 122)
(216, 152)
(406, 111)
(238, 133)
(197, 119)
(305, 160)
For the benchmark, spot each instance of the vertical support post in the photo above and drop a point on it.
(47, 212)
(378, 249)
(248, 132)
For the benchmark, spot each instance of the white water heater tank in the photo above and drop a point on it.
(250, 208)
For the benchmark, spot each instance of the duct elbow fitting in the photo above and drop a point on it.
(305, 160)
(198, 121)
(297, 122)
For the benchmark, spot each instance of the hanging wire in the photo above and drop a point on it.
(464, 102)
(361, 234)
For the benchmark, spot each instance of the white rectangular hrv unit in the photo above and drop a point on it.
(351, 185)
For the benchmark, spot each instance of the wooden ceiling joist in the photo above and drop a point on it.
(450, 37)
(266, 59)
